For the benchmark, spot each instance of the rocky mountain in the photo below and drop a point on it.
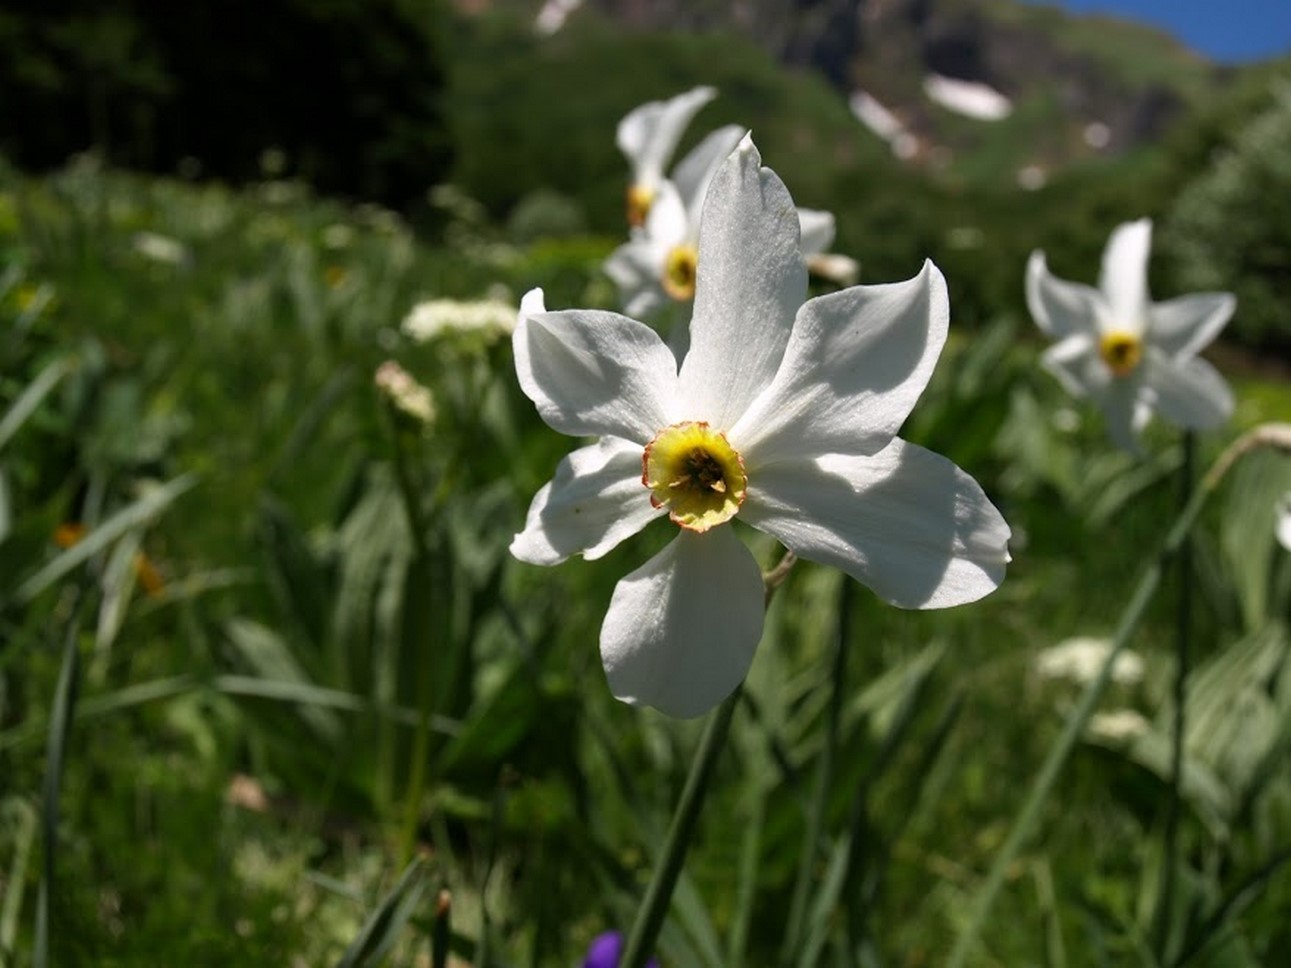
(945, 80)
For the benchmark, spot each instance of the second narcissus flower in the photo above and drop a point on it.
(648, 136)
(783, 414)
(1130, 355)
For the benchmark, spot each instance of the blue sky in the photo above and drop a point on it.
(1226, 30)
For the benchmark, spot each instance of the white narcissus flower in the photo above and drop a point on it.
(658, 265)
(783, 414)
(1130, 355)
(1284, 520)
(648, 136)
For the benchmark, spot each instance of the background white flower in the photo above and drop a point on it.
(1130, 355)
(782, 413)
(1284, 521)
(657, 266)
(648, 136)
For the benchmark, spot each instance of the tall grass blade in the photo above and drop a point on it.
(131, 516)
(60, 724)
(31, 398)
(16, 879)
(382, 928)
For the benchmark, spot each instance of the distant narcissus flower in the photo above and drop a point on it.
(1284, 520)
(606, 950)
(658, 264)
(783, 413)
(648, 136)
(1130, 355)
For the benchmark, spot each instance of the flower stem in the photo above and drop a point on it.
(649, 920)
(1170, 834)
(1266, 435)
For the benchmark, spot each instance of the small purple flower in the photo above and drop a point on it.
(606, 950)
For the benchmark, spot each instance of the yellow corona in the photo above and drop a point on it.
(1121, 351)
(695, 473)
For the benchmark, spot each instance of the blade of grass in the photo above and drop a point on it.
(60, 724)
(11, 910)
(31, 398)
(382, 928)
(813, 832)
(139, 694)
(747, 881)
(131, 516)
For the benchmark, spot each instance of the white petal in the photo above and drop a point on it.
(595, 373)
(906, 522)
(1186, 325)
(1075, 363)
(682, 629)
(1189, 393)
(817, 230)
(1126, 411)
(531, 302)
(594, 501)
(1124, 277)
(854, 367)
(1283, 512)
(667, 223)
(1060, 308)
(694, 173)
(633, 267)
(648, 135)
(751, 282)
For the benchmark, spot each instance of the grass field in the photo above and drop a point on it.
(286, 653)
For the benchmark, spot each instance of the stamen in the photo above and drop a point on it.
(694, 472)
(640, 198)
(1121, 351)
(680, 271)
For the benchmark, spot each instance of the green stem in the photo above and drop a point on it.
(1079, 717)
(1170, 834)
(649, 920)
(645, 929)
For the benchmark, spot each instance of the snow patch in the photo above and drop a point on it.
(871, 113)
(969, 98)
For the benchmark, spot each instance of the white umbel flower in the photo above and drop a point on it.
(782, 413)
(1130, 355)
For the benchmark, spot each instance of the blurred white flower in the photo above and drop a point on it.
(659, 264)
(160, 248)
(648, 136)
(1284, 520)
(408, 396)
(1130, 355)
(1119, 725)
(1080, 659)
(435, 318)
(783, 413)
